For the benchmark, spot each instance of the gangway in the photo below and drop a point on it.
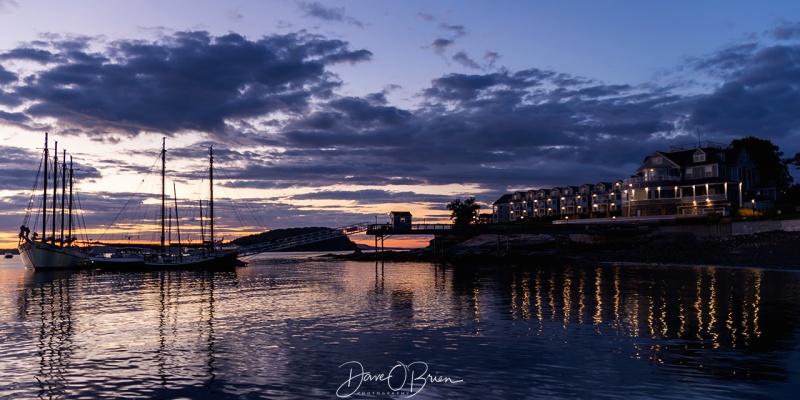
(313, 237)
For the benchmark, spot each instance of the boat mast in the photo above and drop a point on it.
(177, 219)
(69, 231)
(55, 190)
(202, 231)
(163, 196)
(211, 194)
(44, 194)
(63, 191)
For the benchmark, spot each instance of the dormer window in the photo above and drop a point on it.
(699, 157)
(658, 160)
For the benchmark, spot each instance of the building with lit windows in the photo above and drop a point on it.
(691, 179)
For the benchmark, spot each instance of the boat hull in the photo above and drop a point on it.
(118, 263)
(44, 256)
(220, 261)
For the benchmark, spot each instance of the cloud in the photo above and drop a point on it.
(189, 81)
(787, 31)
(6, 76)
(759, 97)
(491, 57)
(462, 58)
(6, 6)
(487, 132)
(329, 14)
(440, 45)
(371, 196)
(457, 30)
(424, 17)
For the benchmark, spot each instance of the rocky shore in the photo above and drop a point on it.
(775, 250)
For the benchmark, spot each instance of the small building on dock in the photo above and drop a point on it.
(401, 221)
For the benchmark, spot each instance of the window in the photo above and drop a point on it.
(699, 157)
(657, 160)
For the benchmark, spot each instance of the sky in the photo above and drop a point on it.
(337, 112)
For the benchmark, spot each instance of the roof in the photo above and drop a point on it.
(400, 213)
(504, 199)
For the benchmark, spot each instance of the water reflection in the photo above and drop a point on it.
(682, 311)
(123, 334)
(51, 308)
(720, 308)
(281, 329)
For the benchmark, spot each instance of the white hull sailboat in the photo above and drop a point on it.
(44, 256)
(50, 253)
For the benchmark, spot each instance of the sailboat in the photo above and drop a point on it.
(211, 257)
(53, 252)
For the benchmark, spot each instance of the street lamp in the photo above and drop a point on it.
(753, 201)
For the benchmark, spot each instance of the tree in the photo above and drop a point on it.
(795, 160)
(773, 171)
(463, 213)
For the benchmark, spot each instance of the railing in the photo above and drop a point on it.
(307, 238)
(658, 178)
(433, 227)
(703, 199)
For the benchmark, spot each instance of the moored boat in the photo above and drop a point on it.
(121, 258)
(54, 252)
(206, 258)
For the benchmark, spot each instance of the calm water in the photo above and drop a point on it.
(303, 328)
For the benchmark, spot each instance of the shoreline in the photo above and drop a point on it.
(777, 250)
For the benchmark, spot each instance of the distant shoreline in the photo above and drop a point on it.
(769, 250)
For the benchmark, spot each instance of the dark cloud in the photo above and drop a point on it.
(457, 30)
(462, 58)
(760, 97)
(491, 58)
(787, 31)
(18, 118)
(500, 131)
(20, 167)
(330, 14)
(28, 53)
(6, 76)
(372, 196)
(440, 45)
(190, 81)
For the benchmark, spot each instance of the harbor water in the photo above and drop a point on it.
(296, 326)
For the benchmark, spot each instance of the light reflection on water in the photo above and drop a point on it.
(281, 328)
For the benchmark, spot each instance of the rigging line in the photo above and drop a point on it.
(237, 213)
(82, 219)
(250, 208)
(33, 195)
(131, 198)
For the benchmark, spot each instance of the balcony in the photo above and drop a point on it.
(657, 178)
(704, 199)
